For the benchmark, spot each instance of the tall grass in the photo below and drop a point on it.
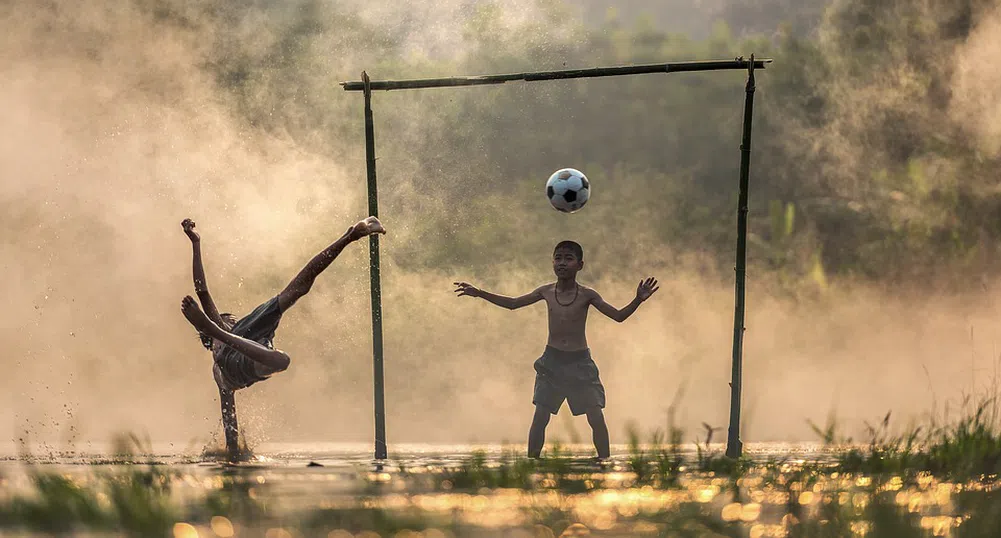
(968, 448)
(132, 499)
(868, 488)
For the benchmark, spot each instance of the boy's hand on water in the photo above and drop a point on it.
(462, 288)
(646, 288)
(188, 226)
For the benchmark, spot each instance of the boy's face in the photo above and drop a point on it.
(566, 264)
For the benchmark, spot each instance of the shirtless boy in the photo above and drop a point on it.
(242, 350)
(565, 371)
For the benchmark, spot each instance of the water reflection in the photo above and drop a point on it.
(426, 495)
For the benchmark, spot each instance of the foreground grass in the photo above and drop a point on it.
(937, 480)
(965, 449)
(763, 501)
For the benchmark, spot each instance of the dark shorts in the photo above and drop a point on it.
(567, 375)
(239, 371)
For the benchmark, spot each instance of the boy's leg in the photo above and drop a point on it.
(274, 360)
(537, 433)
(599, 431)
(229, 425)
(301, 284)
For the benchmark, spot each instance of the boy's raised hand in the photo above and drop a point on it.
(188, 226)
(462, 288)
(646, 288)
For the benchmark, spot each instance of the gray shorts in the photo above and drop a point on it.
(236, 369)
(567, 375)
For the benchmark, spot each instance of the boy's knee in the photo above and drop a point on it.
(595, 417)
(279, 365)
(541, 417)
(284, 362)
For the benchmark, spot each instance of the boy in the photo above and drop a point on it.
(566, 371)
(242, 350)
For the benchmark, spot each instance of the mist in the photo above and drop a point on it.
(124, 119)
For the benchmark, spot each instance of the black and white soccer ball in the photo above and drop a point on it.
(568, 190)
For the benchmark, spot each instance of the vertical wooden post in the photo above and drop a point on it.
(376, 286)
(734, 446)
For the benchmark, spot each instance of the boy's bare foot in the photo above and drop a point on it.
(196, 317)
(367, 227)
(188, 226)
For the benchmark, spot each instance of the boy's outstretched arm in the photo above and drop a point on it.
(645, 289)
(511, 303)
(198, 272)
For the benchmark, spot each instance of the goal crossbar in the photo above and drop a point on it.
(478, 80)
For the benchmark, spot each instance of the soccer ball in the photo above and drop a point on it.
(568, 190)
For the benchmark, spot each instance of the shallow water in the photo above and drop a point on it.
(337, 490)
(338, 454)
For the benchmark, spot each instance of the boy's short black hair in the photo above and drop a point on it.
(572, 246)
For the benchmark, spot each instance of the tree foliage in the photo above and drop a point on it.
(860, 167)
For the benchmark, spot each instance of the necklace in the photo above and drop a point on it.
(557, 296)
